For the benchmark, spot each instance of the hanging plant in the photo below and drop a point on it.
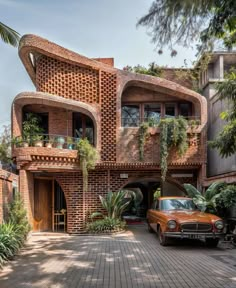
(173, 133)
(88, 159)
(143, 133)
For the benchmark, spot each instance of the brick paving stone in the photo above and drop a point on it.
(129, 260)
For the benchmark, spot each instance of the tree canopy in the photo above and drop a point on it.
(5, 145)
(184, 21)
(225, 142)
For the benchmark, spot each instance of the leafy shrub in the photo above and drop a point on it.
(115, 203)
(17, 215)
(11, 240)
(107, 224)
(14, 232)
(227, 197)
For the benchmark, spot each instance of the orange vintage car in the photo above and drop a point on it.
(178, 217)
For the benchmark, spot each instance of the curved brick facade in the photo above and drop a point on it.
(67, 82)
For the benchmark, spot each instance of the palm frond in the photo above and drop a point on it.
(192, 191)
(9, 35)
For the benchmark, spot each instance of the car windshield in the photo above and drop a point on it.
(177, 204)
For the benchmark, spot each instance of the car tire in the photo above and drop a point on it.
(162, 238)
(212, 242)
(149, 228)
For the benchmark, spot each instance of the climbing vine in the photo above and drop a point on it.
(88, 158)
(143, 134)
(173, 133)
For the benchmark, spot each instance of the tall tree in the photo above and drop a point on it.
(9, 35)
(183, 21)
(225, 142)
(5, 145)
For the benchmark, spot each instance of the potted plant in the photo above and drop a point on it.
(60, 141)
(37, 140)
(49, 142)
(32, 131)
(70, 142)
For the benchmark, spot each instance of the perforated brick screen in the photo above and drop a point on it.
(70, 81)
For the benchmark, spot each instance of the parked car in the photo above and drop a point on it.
(178, 217)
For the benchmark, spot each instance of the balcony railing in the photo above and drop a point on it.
(135, 122)
(47, 140)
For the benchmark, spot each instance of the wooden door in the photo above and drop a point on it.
(42, 205)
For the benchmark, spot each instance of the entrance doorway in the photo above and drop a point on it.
(50, 213)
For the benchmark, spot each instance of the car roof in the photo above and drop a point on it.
(174, 197)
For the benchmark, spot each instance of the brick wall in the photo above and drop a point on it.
(80, 206)
(67, 80)
(6, 191)
(128, 148)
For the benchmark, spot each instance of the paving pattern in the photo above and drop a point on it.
(132, 259)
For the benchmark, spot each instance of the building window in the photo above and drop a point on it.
(134, 114)
(152, 112)
(130, 115)
(184, 110)
(83, 127)
(170, 110)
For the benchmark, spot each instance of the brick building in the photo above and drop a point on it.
(81, 97)
(220, 63)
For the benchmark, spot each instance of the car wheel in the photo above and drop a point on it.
(162, 238)
(212, 242)
(149, 228)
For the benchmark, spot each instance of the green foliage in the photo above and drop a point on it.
(88, 159)
(11, 241)
(209, 201)
(17, 215)
(116, 203)
(32, 128)
(143, 133)
(182, 22)
(157, 194)
(14, 232)
(106, 225)
(225, 142)
(152, 70)
(5, 145)
(173, 133)
(227, 198)
(9, 35)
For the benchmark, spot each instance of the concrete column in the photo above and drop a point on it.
(219, 68)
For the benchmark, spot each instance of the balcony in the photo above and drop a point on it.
(128, 144)
(46, 152)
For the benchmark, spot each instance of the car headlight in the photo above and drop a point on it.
(171, 224)
(219, 224)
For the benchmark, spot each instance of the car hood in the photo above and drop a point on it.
(190, 216)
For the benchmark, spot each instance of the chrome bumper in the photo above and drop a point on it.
(193, 235)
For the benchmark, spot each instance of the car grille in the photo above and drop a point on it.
(197, 227)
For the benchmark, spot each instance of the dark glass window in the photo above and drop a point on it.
(83, 127)
(184, 109)
(130, 116)
(169, 110)
(152, 113)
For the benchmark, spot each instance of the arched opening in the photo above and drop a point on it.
(144, 190)
(59, 209)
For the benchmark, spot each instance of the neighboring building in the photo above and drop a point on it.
(8, 186)
(218, 169)
(77, 96)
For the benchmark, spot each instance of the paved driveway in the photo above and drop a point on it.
(133, 259)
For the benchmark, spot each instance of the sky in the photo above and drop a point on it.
(93, 28)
